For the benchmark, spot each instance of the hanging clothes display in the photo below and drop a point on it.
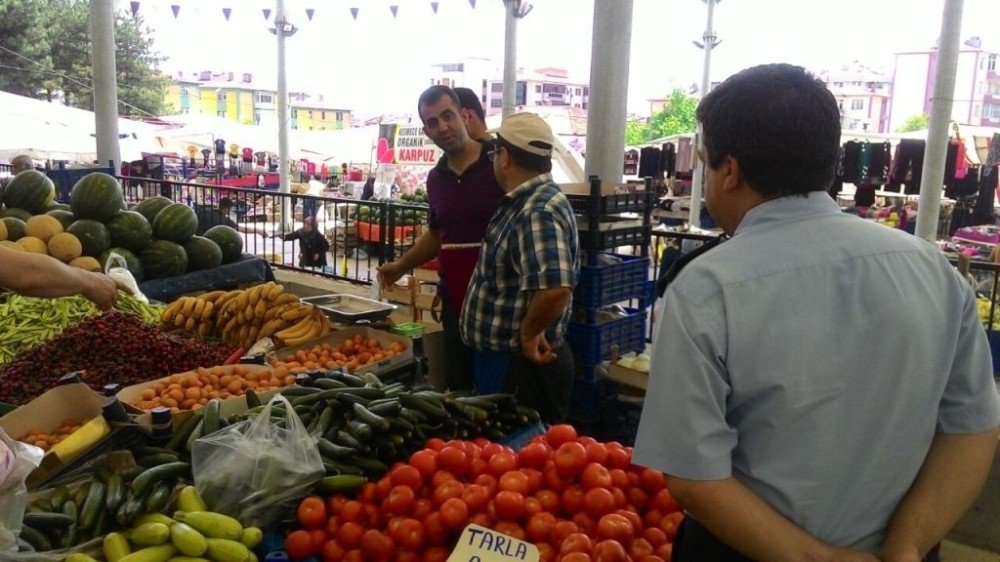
(631, 162)
(668, 162)
(879, 160)
(985, 199)
(907, 166)
(849, 162)
(650, 162)
(685, 155)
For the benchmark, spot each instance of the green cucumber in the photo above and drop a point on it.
(365, 415)
(341, 484)
(334, 468)
(424, 406)
(329, 384)
(360, 430)
(71, 536)
(323, 422)
(386, 407)
(253, 400)
(180, 436)
(35, 538)
(331, 450)
(92, 506)
(47, 520)
(158, 499)
(157, 459)
(211, 420)
(144, 482)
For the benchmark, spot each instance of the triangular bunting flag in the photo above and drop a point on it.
(175, 9)
(354, 13)
(227, 12)
(473, 4)
(434, 6)
(267, 14)
(393, 9)
(135, 7)
(309, 13)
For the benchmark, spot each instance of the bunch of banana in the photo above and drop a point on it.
(193, 314)
(310, 325)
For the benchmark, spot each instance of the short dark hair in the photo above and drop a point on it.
(469, 100)
(780, 123)
(433, 94)
(525, 159)
(225, 202)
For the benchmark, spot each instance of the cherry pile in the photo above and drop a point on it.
(115, 347)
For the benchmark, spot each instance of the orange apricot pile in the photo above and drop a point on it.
(192, 390)
(46, 441)
(350, 355)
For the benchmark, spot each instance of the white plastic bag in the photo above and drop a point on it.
(117, 268)
(17, 460)
(247, 469)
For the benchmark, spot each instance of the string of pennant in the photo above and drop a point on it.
(310, 12)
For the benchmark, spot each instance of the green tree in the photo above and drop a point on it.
(676, 117)
(24, 47)
(636, 132)
(914, 123)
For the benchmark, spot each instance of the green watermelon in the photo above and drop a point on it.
(16, 213)
(30, 190)
(65, 217)
(59, 207)
(130, 230)
(228, 239)
(202, 253)
(96, 196)
(149, 208)
(177, 223)
(15, 228)
(162, 258)
(132, 262)
(94, 236)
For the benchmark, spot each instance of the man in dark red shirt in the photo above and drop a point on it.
(463, 194)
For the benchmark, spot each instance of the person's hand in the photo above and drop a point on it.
(389, 273)
(102, 290)
(834, 554)
(537, 349)
(899, 553)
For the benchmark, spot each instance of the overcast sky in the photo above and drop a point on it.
(379, 64)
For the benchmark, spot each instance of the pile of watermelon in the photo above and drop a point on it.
(155, 238)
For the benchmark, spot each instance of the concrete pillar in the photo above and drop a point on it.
(708, 42)
(102, 57)
(932, 178)
(509, 58)
(608, 89)
(284, 124)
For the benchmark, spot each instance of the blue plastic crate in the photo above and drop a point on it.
(621, 420)
(589, 399)
(600, 286)
(994, 338)
(520, 437)
(592, 344)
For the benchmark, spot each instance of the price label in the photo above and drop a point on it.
(479, 544)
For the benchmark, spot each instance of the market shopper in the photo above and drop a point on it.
(313, 246)
(462, 195)
(821, 386)
(38, 275)
(518, 303)
(209, 217)
(474, 115)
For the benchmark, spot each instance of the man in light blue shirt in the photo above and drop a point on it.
(821, 386)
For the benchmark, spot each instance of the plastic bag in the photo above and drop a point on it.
(17, 460)
(248, 469)
(117, 268)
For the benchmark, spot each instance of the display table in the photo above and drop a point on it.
(370, 232)
(246, 271)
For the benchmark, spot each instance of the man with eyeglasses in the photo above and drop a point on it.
(518, 303)
(462, 195)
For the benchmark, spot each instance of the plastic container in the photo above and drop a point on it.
(409, 329)
(636, 202)
(601, 240)
(603, 285)
(592, 344)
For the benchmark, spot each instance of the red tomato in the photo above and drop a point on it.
(559, 434)
(638, 498)
(576, 557)
(352, 511)
(652, 558)
(632, 517)
(539, 527)
(490, 449)
(478, 466)
(447, 491)
(615, 527)
(546, 553)
(572, 499)
(453, 459)
(595, 476)
(511, 529)
(489, 482)
(454, 514)
(535, 479)
(563, 529)
(437, 554)
(633, 476)
(335, 503)
(514, 480)
(621, 501)
(577, 542)
(652, 480)
(425, 462)
(312, 513)
(531, 506)
(619, 478)
(502, 463)
(319, 538)
(609, 551)
(440, 477)
(654, 535)
(406, 475)
(475, 497)
(299, 545)
(481, 519)
(422, 508)
(375, 545)
(354, 556)
(401, 501)
(405, 556)
(640, 548)
(585, 523)
(664, 502)
(349, 535)
(652, 518)
(598, 501)
(534, 455)
(570, 459)
(382, 489)
(665, 551)
(368, 492)
(596, 452)
(548, 499)
(435, 444)
(332, 552)
(409, 534)
(434, 531)
(509, 505)
(618, 458)
(553, 481)
(394, 524)
(332, 524)
(371, 515)
(670, 523)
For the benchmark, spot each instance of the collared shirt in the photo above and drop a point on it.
(531, 244)
(813, 357)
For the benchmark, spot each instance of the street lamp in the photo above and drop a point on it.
(708, 42)
(514, 10)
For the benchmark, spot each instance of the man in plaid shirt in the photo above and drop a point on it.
(518, 302)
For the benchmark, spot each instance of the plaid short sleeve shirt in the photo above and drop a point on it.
(530, 244)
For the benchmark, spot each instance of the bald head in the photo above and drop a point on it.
(21, 163)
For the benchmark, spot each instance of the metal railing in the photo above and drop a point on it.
(361, 234)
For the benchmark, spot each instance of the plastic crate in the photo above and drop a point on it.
(599, 241)
(600, 286)
(592, 344)
(994, 338)
(621, 420)
(65, 178)
(636, 202)
(591, 397)
(520, 437)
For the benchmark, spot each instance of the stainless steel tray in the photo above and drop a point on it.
(350, 308)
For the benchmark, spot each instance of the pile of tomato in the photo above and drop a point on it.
(577, 499)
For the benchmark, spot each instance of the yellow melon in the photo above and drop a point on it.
(65, 247)
(10, 245)
(34, 245)
(43, 227)
(86, 262)
(3, 230)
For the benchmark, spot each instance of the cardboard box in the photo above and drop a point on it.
(228, 407)
(385, 339)
(76, 402)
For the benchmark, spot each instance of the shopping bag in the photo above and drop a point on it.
(117, 268)
(252, 469)
(17, 460)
